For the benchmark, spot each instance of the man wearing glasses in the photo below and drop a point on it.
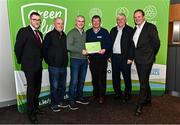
(28, 54)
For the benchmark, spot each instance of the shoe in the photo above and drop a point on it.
(101, 100)
(117, 97)
(39, 111)
(127, 97)
(82, 101)
(55, 109)
(138, 111)
(63, 105)
(33, 119)
(73, 106)
(92, 98)
(147, 103)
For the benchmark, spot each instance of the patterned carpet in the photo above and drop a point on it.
(164, 109)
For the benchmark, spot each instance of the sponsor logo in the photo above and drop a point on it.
(150, 12)
(122, 10)
(95, 11)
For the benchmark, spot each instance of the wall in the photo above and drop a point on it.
(175, 1)
(7, 84)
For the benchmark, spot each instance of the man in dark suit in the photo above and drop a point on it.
(28, 53)
(147, 44)
(122, 55)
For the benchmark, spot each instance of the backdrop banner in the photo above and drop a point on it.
(156, 12)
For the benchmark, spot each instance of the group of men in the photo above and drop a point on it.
(121, 47)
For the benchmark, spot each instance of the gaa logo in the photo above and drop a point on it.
(47, 12)
(122, 10)
(150, 12)
(95, 11)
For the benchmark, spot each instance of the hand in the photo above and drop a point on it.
(102, 51)
(109, 60)
(129, 61)
(84, 52)
(88, 61)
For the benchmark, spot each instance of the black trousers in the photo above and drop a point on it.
(98, 68)
(119, 65)
(33, 90)
(144, 71)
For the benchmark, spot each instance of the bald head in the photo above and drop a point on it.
(59, 24)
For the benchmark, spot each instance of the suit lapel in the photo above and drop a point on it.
(33, 35)
(31, 32)
(143, 31)
(114, 35)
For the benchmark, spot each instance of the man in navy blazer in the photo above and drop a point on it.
(122, 55)
(29, 55)
(147, 44)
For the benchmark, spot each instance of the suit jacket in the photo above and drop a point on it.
(127, 44)
(27, 51)
(148, 44)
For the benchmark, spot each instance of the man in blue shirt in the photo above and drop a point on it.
(98, 61)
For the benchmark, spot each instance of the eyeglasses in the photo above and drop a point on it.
(38, 20)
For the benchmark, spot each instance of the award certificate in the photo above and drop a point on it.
(93, 47)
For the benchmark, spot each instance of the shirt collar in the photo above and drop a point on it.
(97, 30)
(57, 31)
(80, 30)
(119, 28)
(141, 26)
(32, 27)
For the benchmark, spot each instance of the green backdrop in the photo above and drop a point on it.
(156, 11)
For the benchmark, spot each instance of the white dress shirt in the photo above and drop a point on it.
(137, 33)
(117, 43)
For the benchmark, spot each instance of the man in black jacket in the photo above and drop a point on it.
(147, 44)
(122, 55)
(55, 55)
(28, 53)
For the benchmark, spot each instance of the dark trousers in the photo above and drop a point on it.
(144, 71)
(33, 90)
(98, 68)
(119, 65)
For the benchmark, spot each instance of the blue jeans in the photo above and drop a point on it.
(57, 77)
(78, 71)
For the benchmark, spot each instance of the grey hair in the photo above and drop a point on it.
(80, 16)
(120, 14)
(57, 18)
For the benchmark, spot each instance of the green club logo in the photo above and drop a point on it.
(122, 10)
(47, 11)
(150, 12)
